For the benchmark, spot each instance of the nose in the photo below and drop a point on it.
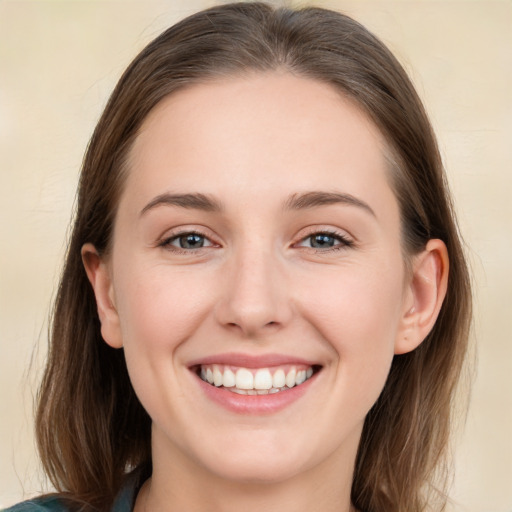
(254, 296)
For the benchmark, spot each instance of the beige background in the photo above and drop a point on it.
(58, 62)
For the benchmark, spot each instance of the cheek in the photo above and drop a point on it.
(358, 313)
(356, 301)
(159, 306)
(159, 309)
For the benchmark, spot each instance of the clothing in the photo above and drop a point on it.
(124, 501)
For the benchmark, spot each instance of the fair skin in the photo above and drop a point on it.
(290, 259)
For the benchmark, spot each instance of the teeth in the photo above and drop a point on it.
(290, 378)
(217, 377)
(262, 379)
(279, 379)
(255, 382)
(300, 377)
(270, 391)
(244, 379)
(229, 379)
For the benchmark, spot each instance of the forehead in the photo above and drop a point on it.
(264, 133)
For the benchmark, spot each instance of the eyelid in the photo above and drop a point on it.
(165, 240)
(346, 241)
(171, 240)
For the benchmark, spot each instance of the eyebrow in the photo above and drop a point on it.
(314, 199)
(204, 202)
(192, 201)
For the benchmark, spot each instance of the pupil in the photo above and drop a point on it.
(191, 241)
(322, 241)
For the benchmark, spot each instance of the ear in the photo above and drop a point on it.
(424, 297)
(98, 272)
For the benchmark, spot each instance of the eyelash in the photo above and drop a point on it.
(166, 243)
(344, 242)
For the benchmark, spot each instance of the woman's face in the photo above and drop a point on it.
(257, 244)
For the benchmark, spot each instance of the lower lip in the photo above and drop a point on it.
(255, 404)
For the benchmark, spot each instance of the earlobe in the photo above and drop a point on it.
(426, 293)
(99, 276)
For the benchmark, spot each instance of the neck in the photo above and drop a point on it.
(248, 497)
(179, 484)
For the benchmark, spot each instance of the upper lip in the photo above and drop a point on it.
(252, 361)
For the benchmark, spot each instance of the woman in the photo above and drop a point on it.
(265, 302)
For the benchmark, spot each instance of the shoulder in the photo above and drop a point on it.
(50, 504)
(123, 502)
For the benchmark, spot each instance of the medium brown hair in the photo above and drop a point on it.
(91, 428)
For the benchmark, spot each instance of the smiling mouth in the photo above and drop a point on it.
(256, 381)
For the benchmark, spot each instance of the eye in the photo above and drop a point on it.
(187, 241)
(325, 241)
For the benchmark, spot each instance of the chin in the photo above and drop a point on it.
(248, 470)
(254, 457)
